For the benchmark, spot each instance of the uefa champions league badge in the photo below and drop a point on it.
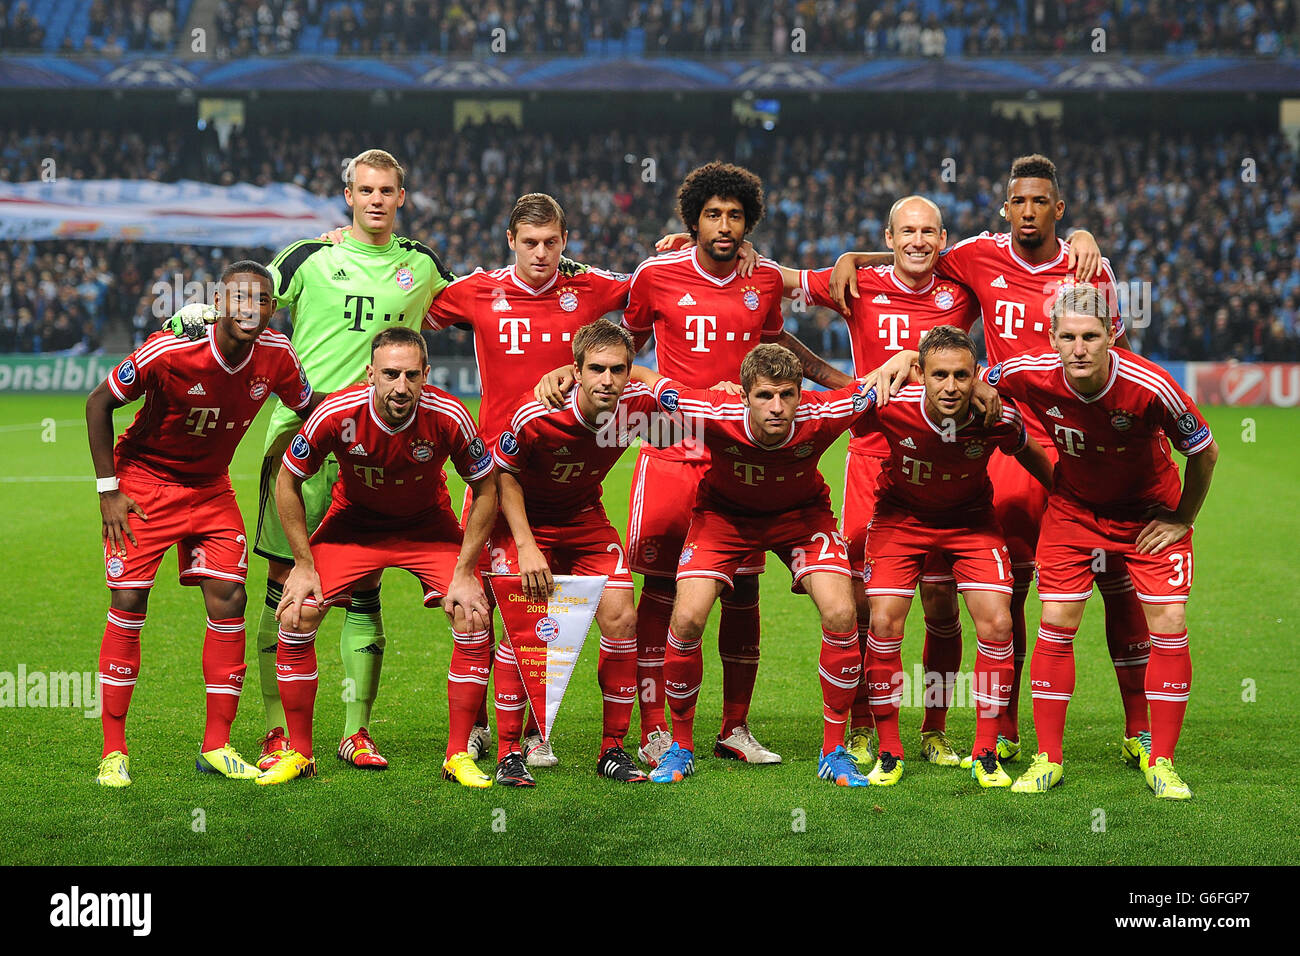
(943, 297)
(547, 629)
(421, 449)
(405, 279)
(258, 387)
(115, 567)
(300, 449)
(995, 374)
(509, 444)
(751, 298)
(126, 372)
(568, 301)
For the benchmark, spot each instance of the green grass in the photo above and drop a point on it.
(1235, 754)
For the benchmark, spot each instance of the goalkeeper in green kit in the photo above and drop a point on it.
(339, 297)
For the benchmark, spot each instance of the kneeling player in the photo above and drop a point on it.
(390, 509)
(935, 500)
(171, 468)
(551, 464)
(762, 491)
(1116, 495)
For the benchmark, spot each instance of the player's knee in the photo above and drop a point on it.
(840, 617)
(133, 600)
(997, 625)
(688, 625)
(224, 599)
(1166, 618)
(623, 625)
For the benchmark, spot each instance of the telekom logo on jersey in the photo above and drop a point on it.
(516, 331)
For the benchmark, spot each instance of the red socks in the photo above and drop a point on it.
(683, 672)
(1127, 640)
(1019, 644)
(296, 676)
(511, 699)
(119, 666)
(1051, 673)
(467, 677)
(941, 660)
(223, 675)
(653, 613)
(738, 637)
(1168, 683)
(992, 691)
(838, 667)
(616, 671)
(885, 687)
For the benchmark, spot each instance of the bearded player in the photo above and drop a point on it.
(1016, 276)
(934, 501)
(390, 509)
(171, 470)
(551, 466)
(1116, 497)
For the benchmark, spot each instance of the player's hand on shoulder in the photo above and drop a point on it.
(985, 399)
(674, 241)
(334, 236)
(192, 321)
(1085, 256)
(844, 281)
(570, 268)
(1161, 531)
(890, 377)
(554, 386)
(302, 583)
(731, 388)
(746, 260)
(535, 573)
(115, 508)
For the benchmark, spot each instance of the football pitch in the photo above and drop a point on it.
(1233, 752)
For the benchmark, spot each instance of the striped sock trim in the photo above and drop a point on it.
(227, 626)
(127, 620)
(1169, 642)
(677, 644)
(1000, 651)
(365, 602)
(1056, 635)
(295, 637)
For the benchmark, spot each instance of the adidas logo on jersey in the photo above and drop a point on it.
(686, 300)
(1054, 412)
(908, 443)
(340, 276)
(563, 450)
(881, 299)
(733, 450)
(358, 449)
(196, 390)
(501, 305)
(999, 283)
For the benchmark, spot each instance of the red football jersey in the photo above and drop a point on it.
(746, 478)
(521, 333)
(390, 477)
(196, 407)
(703, 326)
(1114, 452)
(939, 475)
(1016, 297)
(561, 459)
(887, 317)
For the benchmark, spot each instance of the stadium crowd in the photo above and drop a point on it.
(1222, 255)
(892, 27)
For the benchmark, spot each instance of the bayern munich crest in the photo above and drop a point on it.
(751, 300)
(405, 279)
(688, 552)
(649, 552)
(804, 450)
(258, 387)
(973, 450)
(568, 301)
(421, 449)
(547, 629)
(866, 572)
(943, 299)
(115, 567)
(1121, 421)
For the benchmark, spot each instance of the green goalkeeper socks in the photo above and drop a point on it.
(362, 649)
(267, 638)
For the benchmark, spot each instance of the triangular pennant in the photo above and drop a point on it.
(547, 638)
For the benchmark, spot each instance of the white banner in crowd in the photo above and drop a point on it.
(182, 212)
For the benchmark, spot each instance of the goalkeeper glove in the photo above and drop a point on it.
(192, 321)
(569, 268)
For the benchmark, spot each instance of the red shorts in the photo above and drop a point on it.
(663, 494)
(587, 544)
(204, 523)
(860, 474)
(1018, 502)
(806, 540)
(345, 552)
(899, 546)
(1076, 545)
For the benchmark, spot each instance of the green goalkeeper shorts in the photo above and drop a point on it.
(271, 541)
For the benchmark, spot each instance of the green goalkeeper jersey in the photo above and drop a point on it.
(340, 297)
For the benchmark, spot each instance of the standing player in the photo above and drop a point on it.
(551, 465)
(897, 305)
(171, 469)
(705, 318)
(761, 490)
(934, 500)
(339, 296)
(1116, 497)
(1016, 276)
(390, 509)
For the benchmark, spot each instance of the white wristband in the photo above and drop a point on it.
(106, 484)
